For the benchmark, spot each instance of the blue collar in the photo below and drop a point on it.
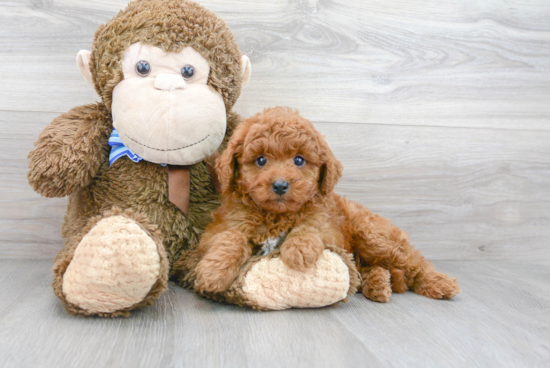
(118, 149)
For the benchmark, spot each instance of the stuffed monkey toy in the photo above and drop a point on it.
(137, 166)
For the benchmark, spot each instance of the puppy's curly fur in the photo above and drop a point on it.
(278, 145)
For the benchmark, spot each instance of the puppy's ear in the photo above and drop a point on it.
(331, 168)
(227, 165)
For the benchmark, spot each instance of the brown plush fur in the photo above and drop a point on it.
(71, 154)
(310, 212)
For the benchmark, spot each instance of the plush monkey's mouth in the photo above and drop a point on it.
(167, 150)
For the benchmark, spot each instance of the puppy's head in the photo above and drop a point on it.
(279, 161)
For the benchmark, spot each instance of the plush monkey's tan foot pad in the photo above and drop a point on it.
(270, 284)
(114, 267)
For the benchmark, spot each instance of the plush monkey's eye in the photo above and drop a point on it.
(187, 71)
(299, 161)
(261, 161)
(143, 68)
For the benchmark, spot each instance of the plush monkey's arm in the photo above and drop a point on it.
(69, 151)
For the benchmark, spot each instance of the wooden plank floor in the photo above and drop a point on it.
(501, 319)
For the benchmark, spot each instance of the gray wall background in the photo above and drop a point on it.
(439, 111)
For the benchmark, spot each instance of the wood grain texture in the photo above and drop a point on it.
(499, 320)
(461, 193)
(30, 225)
(439, 111)
(475, 64)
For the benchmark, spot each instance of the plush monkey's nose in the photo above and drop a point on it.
(280, 187)
(169, 82)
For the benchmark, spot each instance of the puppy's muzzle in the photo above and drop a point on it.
(280, 187)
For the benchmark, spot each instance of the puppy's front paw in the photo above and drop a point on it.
(214, 276)
(301, 252)
(225, 253)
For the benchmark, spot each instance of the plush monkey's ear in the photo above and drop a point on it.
(247, 69)
(331, 168)
(83, 63)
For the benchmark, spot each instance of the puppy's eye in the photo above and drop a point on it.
(143, 68)
(187, 71)
(261, 161)
(299, 161)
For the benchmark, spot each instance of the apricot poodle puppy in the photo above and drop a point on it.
(277, 176)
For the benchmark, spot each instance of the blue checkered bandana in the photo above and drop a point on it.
(118, 149)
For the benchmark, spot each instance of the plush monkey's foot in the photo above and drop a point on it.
(118, 265)
(266, 283)
(436, 285)
(376, 284)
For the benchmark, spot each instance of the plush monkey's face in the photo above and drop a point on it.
(163, 109)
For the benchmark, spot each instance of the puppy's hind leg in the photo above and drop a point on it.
(373, 238)
(422, 277)
(413, 271)
(377, 242)
(376, 283)
(409, 269)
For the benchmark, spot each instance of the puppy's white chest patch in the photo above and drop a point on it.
(271, 244)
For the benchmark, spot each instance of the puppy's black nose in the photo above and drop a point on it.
(280, 187)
